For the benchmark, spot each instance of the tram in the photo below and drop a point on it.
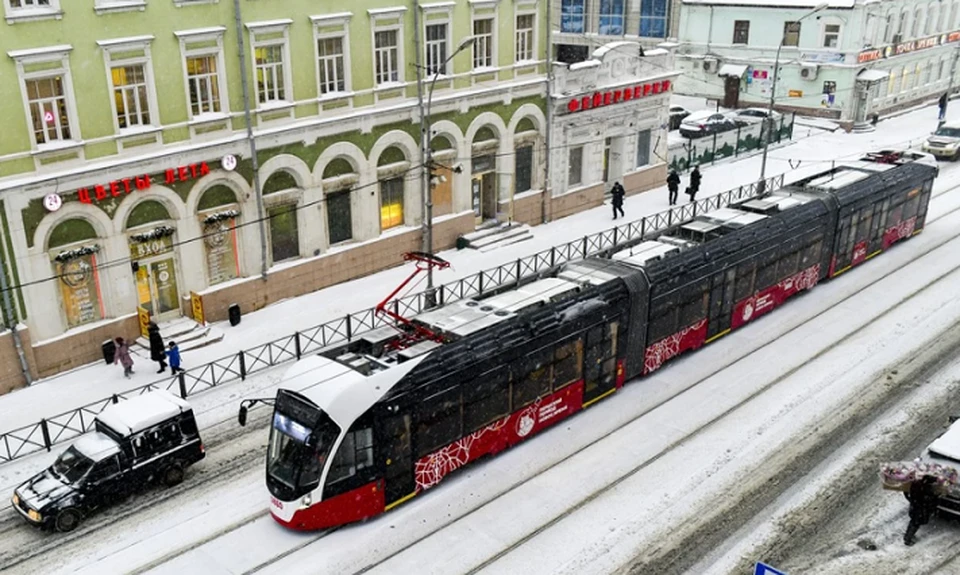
(367, 426)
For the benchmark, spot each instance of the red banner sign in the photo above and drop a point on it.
(601, 99)
(906, 47)
(118, 188)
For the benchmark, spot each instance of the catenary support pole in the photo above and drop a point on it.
(11, 316)
(426, 203)
(245, 83)
(548, 127)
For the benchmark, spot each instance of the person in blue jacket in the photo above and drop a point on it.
(173, 354)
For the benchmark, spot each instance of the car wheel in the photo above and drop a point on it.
(173, 475)
(955, 156)
(67, 520)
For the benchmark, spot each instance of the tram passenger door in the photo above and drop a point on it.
(397, 458)
(721, 303)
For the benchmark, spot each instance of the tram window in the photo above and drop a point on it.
(569, 361)
(766, 276)
(663, 325)
(439, 421)
(611, 340)
(811, 254)
(788, 265)
(910, 208)
(693, 311)
(345, 463)
(485, 400)
(595, 335)
(744, 285)
(863, 228)
(538, 375)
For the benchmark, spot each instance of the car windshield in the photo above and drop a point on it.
(296, 453)
(72, 465)
(948, 132)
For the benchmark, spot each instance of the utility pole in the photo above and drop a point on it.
(238, 20)
(545, 196)
(426, 195)
(10, 314)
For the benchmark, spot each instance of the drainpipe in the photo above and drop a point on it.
(12, 320)
(547, 129)
(710, 30)
(253, 144)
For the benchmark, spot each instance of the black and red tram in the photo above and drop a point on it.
(362, 428)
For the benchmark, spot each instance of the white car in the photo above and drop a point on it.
(945, 142)
(748, 116)
(700, 124)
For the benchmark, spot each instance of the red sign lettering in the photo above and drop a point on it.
(117, 188)
(83, 194)
(601, 99)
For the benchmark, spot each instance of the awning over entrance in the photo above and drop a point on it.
(736, 70)
(872, 75)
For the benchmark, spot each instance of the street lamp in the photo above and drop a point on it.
(768, 121)
(425, 169)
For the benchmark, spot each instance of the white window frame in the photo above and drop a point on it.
(823, 33)
(494, 27)
(529, 9)
(272, 27)
(329, 21)
(204, 35)
(443, 66)
(570, 182)
(107, 6)
(119, 45)
(47, 55)
(917, 28)
(33, 12)
(387, 20)
(438, 14)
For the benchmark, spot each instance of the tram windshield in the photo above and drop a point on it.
(296, 453)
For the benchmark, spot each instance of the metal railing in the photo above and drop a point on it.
(65, 426)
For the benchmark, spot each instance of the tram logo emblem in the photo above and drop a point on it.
(748, 311)
(276, 502)
(525, 425)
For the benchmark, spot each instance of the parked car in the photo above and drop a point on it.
(945, 142)
(149, 437)
(747, 116)
(677, 114)
(700, 124)
(945, 450)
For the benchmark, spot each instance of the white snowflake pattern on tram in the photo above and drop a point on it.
(666, 348)
(905, 228)
(806, 279)
(431, 469)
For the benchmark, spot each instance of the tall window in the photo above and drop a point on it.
(653, 18)
(386, 56)
(917, 23)
(831, 35)
(643, 148)
(953, 15)
(525, 36)
(611, 17)
(436, 48)
(888, 28)
(741, 32)
(130, 95)
(332, 69)
(270, 73)
(203, 82)
(483, 47)
(391, 203)
(523, 169)
(575, 167)
(572, 16)
(791, 33)
(339, 218)
(48, 109)
(284, 234)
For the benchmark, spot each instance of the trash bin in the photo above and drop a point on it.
(109, 349)
(462, 242)
(233, 312)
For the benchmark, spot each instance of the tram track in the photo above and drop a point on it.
(716, 372)
(245, 462)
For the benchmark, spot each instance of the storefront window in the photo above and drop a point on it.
(339, 217)
(643, 148)
(391, 203)
(524, 168)
(218, 214)
(79, 285)
(284, 234)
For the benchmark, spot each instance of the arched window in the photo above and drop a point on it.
(391, 172)
(903, 24)
(218, 211)
(444, 153)
(952, 24)
(281, 193)
(930, 27)
(524, 139)
(917, 23)
(74, 251)
(147, 212)
(483, 187)
(888, 28)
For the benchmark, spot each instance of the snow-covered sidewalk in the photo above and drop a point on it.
(811, 151)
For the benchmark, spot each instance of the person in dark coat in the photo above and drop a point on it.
(694, 186)
(673, 185)
(923, 504)
(942, 104)
(617, 192)
(123, 357)
(157, 353)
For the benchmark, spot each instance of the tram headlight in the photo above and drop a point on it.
(306, 501)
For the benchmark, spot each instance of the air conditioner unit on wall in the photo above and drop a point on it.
(809, 72)
(710, 65)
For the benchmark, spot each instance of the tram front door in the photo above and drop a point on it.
(398, 458)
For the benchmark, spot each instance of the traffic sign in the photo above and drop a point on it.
(762, 569)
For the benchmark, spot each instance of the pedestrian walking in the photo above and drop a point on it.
(617, 192)
(173, 355)
(694, 186)
(942, 104)
(157, 353)
(923, 504)
(123, 357)
(673, 185)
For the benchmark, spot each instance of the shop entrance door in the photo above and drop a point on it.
(157, 288)
(484, 192)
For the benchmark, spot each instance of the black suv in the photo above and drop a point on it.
(153, 436)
